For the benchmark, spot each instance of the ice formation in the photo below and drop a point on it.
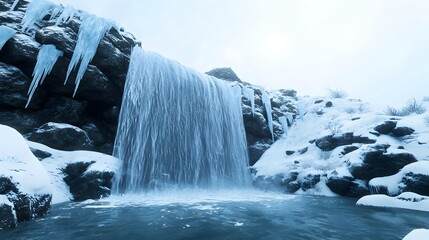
(14, 5)
(46, 59)
(36, 11)
(178, 129)
(91, 31)
(283, 122)
(67, 14)
(5, 34)
(250, 95)
(267, 103)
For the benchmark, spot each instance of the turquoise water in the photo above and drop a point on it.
(223, 216)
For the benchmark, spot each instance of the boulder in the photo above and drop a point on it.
(417, 183)
(358, 189)
(309, 181)
(87, 185)
(379, 163)
(257, 149)
(7, 214)
(386, 127)
(402, 131)
(339, 184)
(224, 74)
(331, 142)
(61, 136)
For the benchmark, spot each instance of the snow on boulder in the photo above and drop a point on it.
(406, 200)
(7, 213)
(23, 179)
(412, 178)
(417, 234)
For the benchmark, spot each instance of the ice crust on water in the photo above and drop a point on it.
(91, 31)
(250, 95)
(36, 11)
(178, 129)
(267, 104)
(46, 59)
(5, 34)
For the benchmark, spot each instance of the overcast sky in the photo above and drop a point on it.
(375, 50)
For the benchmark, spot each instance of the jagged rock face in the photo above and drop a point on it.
(99, 93)
(224, 74)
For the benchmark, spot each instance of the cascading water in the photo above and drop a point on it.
(178, 129)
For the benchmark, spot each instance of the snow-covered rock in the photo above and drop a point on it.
(406, 200)
(23, 179)
(347, 145)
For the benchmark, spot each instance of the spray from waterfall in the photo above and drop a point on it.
(178, 129)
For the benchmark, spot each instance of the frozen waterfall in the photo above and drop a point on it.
(250, 95)
(178, 129)
(36, 11)
(5, 34)
(267, 104)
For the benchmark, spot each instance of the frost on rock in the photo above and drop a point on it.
(5, 34)
(250, 95)
(46, 59)
(14, 5)
(36, 11)
(267, 103)
(91, 31)
(283, 122)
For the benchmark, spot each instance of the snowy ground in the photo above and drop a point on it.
(406, 200)
(418, 234)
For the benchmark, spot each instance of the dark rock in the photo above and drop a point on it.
(379, 163)
(7, 216)
(7, 186)
(21, 120)
(64, 110)
(349, 149)
(309, 181)
(87, 185)
(257, 149)
(61, 136)
(358, 189)
(375, 134)
(331, 142)
(29, 207)
(386, 127)
(290, 152)
(401, 147)
(355, 118)
(224, 74)
(339, 185)
(295, 162)
(14, 86)
(293, 186)
(288, 92)
(63, 38)
(94, 133)
(318, 101)
(40, 154)
(302, 151)
(328, 104)
(402, 131)
(416, 183)
(312, 141)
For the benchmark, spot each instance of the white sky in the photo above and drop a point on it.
(375, 50)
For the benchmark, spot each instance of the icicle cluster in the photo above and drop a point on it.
(267, 104)
(5, 34)
(91, 31)
(250, 95)
(46, 59)
(36, 11)
(178, 129)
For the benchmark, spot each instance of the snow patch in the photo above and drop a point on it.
(18, 163)
(406, 200)
(417, 234)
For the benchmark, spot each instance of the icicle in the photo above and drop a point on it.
(46, 59)
(283, 122)
(267, 103)
(36, 11)
(178, 129)
(250, 95)
(5, 34)
(14, 5)
(91, 31)
(66, 15)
